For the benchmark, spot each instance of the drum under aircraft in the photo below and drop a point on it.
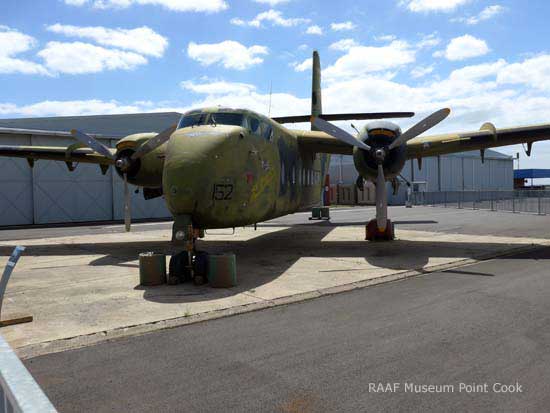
(222, 168)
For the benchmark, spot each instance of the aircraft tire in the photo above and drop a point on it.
(179, 266)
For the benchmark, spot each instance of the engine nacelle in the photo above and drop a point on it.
(379, 135)
(146, 171)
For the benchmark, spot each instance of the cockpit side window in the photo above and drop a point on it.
(254, 125)
(267, 131)
(192, 120)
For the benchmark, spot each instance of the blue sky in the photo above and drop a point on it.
(487, 60)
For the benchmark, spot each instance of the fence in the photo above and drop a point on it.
(19, 393)
(528, 201)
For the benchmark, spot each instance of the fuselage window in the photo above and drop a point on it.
(192, 120)
(235, 119)
(267, 132)
(254, 125)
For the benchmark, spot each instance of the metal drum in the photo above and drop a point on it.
(222, 270)
(152, 268)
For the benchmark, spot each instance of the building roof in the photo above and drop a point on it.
(115, 126)
(531, 173)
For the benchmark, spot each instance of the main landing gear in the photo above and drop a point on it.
(374, 234)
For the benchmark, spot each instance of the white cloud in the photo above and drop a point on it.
(316, 30)
(219, 87)
(347, 25)
(79, 58)
(12, 43)
(272, 3)
(142, 40)
(432, 5)
(464, 47)
(360, 60)
(428, 41)
(421, 71)
(487, 13)
(533, 72)
(275, 17)
(209, 6)
(343, 45)
(302, 67)
(230, 54)
(385, 38)
(72, 108)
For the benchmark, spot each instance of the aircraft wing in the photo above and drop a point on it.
(487, 137)
(321, 142)
(72, 153)
(344, 116)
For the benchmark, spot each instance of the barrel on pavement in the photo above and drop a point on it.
(152, 268)
(222, 270)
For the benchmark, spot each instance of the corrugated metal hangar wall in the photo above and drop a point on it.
(49, 193)
(456, 172)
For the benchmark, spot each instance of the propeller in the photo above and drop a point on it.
(338, 133)
(124, 163)
(381, 153)
(421, 127)
(154, 142)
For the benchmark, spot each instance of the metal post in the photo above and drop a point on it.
(7, 273)
(539, 201)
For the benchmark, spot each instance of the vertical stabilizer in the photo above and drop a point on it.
(316, 100)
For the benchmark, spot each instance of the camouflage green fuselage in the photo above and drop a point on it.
(224, 176)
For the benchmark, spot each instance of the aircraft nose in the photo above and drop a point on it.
(191, 166)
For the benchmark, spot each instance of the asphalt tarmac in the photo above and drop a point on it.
(471, 329)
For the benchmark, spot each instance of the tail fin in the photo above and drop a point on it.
(316, 100)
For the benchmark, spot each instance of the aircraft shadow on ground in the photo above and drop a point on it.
(264, 258)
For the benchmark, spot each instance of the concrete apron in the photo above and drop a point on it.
(84, 290)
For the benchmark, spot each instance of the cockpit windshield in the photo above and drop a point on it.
(216, 118)
(192, 120)
(221, 118)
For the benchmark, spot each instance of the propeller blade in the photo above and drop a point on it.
(127, 210)
(154, 142)
(421, 127)
(338, 133)
(92, 143)
(381, 200)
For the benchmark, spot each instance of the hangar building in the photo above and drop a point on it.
(49, 193)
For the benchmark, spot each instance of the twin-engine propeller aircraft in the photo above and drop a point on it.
(222, 168)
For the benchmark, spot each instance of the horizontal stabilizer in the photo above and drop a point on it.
(345, 116)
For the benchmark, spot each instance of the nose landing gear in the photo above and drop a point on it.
(374, 234)
(190, 264)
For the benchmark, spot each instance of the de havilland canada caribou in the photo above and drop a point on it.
(223, 168)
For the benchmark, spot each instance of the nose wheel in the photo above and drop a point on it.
(190, 264)
(374, 234)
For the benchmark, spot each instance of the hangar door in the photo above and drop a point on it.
(63, 196)
(16, 204)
